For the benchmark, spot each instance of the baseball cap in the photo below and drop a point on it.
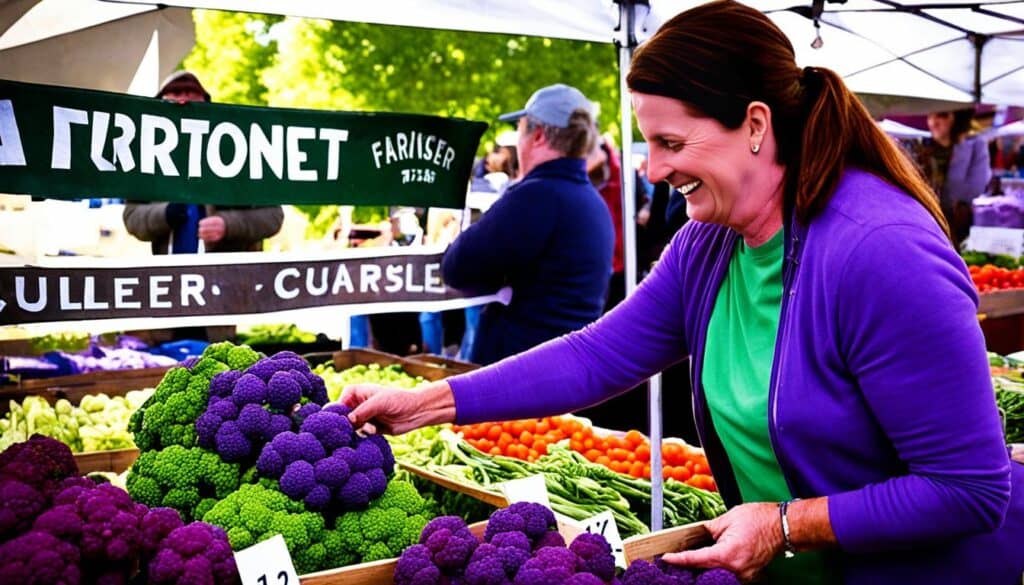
(552, 105)
(182, 81)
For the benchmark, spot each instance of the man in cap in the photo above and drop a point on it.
(549, 237)
(179, 228)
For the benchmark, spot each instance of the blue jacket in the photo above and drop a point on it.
(550, 238)
(880, 396)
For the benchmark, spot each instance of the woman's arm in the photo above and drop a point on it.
(640, 337)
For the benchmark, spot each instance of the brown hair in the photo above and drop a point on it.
(720, 56)
(575, 140)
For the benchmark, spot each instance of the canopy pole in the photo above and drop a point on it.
(626, 44)
(979, 44)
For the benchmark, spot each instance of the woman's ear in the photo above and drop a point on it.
(758, 123)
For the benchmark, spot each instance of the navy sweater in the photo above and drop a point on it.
(550, 238)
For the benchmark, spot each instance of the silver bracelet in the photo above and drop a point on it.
(787, 544)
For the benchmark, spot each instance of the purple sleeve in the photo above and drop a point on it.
(908, 328)
(640, 337)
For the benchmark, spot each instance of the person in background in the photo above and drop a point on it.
(180, 228)
(813, 290)
(957, 167)
(549, 236)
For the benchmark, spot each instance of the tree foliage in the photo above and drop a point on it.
(356, 66)
(230, 54)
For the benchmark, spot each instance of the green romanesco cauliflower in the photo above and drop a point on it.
(257, 512)
(168, 417)
(391, 523)
(188, 480)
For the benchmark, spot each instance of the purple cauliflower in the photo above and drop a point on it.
(594, 555)
(585, 579)
(40, 462)
(642, 572)
(533, 520)
(300, 415)
(416, 567)
(20, 503)
(222, 384)
(678, 575)
(337, 408)
(332, 430)
(486, 567)
(326, 464)
(155, 526)
(549, 566)
(249, 409)
(717, 577)
(450, 542)
(39, 558)
(550, 538)
(196, 554)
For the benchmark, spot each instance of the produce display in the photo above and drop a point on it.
(392, 375)
(98, 423)
(250, 444)
(975, 258)
(58, 527)
(989, 278)
(1008, 380)
(576, 487)
(631, 454)
(659, 572)
(282, 333)
(522, 546)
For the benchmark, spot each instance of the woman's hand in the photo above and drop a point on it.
(747, 538)
(393, 412)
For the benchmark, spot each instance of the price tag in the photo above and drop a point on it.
(604, 524)
(995, 240)
(528, 489)
(267, 563)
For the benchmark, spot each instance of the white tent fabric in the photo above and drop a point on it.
(1014, 129)
(879, 46)
(92, 44)
(897, 130)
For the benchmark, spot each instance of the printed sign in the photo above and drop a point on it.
(267, 563)
(206, 285)
(995, 240)
(68, 143)
(604, 524)
(528, 489)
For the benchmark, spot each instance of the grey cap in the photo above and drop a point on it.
(552, 106)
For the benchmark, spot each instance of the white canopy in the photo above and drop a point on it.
(92, 44)
(939, 49)
(897, 130)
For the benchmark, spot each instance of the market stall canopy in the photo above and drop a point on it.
(1014, 129)
(92, 44)
(940, 49)
(897, 130)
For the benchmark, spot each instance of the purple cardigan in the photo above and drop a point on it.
(880, 397)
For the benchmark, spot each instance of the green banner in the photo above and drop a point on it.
(68, 143)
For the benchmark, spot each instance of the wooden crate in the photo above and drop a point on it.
(454, 367)
(348, 358)
(115, 461)
(73, 388)
(648, 546)
(494, 498)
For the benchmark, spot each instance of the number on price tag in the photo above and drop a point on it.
(528, 489)
(604, 524)
(266, 563)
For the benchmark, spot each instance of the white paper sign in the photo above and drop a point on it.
(604, 524)
(267, 563)
(528, 489)
(995, 240)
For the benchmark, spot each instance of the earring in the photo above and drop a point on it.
(754, 148)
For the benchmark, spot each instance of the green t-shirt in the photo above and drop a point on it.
(738, 361)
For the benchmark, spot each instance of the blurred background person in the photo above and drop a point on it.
(957, 167)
